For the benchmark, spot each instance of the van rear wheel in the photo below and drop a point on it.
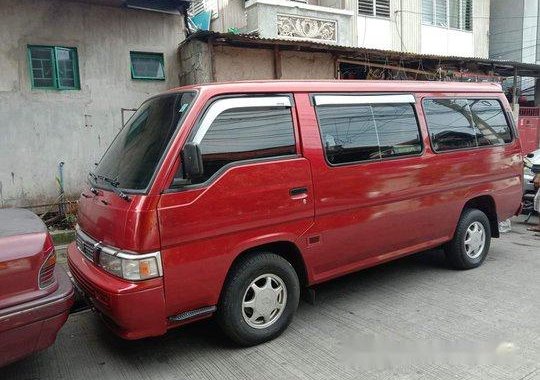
(470, 245)
(259, 299)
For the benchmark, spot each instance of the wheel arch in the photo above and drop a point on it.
(486, 204)
(284, 248)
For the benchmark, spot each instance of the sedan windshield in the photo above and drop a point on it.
(132, 158)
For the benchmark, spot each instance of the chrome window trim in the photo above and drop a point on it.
(326, 100)
(222, 105)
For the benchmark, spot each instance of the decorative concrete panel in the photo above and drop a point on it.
(306, 28)
(293, 20)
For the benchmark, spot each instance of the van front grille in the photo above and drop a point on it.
(86, 245)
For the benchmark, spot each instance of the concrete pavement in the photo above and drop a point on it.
(410, 319)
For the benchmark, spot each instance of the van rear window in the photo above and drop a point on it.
(361, 132)
(465, 123)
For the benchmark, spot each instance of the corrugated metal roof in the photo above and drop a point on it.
(253, 40)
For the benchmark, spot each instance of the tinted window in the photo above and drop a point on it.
(489, 122)
(246, 133)
(449, 124)
(363, 132)
(397, 129)
(348, 133)
(136, 151)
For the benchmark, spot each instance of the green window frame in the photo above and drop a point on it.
(53, 67)
(138, 61)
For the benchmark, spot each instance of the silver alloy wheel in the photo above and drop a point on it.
(264, 301)
(475, 240)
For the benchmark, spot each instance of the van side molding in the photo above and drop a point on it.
(325, 100)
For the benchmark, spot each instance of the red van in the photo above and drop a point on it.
(228, 199)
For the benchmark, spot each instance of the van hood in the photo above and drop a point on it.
(129, 225)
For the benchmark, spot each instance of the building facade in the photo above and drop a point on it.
(514, 32)
(441, 27)
(67, 71)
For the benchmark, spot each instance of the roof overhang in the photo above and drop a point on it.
(494, 67)
(162, 6)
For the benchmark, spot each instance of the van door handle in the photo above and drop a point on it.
(298, 191)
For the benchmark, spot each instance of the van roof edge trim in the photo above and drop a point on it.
(323, 100)
(223, 105)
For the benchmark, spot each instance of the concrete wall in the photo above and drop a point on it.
(40, 128)
(375, 32)
(445, 41)
(530, 30)
(195, 64)
(506, 29)
(232, 63)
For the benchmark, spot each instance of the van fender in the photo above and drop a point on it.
(295, 256)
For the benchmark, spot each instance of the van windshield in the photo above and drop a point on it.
(132, 158)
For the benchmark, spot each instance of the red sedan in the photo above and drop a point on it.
(35, 294)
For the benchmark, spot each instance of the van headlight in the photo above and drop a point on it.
(130, 266)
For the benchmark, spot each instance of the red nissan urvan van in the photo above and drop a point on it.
(227, 199)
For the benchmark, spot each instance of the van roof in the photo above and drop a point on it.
(342, 86)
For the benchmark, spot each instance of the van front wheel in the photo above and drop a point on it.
(470, 245)
(259, 298)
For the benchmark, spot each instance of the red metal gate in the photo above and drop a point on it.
(529, 128)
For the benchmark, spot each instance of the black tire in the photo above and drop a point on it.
(455, 250)
(230, 315)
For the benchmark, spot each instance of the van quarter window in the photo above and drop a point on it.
(248, 133)
(466, 123)
(449, 123)
(489, 121)
(361, 132)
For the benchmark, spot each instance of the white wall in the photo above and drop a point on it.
(375, 32)
(443, 41)
(40, 128)
(530, 25)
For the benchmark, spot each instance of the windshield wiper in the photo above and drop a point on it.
(114, 185)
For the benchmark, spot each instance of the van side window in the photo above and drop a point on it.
(449, 124)
(489, 122)
(239, 134)
(348, 133)
(397, 129)
(361, 132)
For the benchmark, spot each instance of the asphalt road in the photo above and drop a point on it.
(410, 319)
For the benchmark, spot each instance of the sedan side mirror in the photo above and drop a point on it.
(192, 161)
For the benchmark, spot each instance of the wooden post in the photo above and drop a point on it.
(277, 63)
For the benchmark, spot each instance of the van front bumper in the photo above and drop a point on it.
(133, 310)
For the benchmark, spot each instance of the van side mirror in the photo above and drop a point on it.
(192, 161)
